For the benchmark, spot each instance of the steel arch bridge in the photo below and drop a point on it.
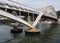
(48, 11)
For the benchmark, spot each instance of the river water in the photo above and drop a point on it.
(49, 34)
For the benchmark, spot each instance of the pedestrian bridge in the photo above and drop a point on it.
(8, 8)
(47, 11)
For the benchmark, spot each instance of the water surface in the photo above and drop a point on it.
(49, 34)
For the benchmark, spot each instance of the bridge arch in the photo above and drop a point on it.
(46, 10)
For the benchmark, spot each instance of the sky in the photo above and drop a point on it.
(40, 3)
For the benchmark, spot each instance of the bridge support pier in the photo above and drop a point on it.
(16, 30)
(32, 31)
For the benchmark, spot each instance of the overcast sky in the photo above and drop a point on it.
(40, 3)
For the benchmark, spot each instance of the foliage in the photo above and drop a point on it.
(58, 14)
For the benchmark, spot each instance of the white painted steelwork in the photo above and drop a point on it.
(6, 14)
(49, 10)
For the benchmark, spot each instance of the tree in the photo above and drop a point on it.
(58, 14)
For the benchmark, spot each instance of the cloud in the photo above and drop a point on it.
(44, 3)
(22, 1)
(40, 3)
(36, 4)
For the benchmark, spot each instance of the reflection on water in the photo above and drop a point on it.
(49, 34)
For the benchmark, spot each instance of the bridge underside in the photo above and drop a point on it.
(22, 13)
(46, 17)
